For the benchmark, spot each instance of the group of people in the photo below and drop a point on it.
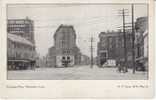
(121, 67)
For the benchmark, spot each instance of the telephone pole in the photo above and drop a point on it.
(133, 40)
(91, 52)
(125, 41)
(123, 14)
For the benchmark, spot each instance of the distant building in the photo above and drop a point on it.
(20, 52)
(21, 27)
(85, 60)
(51, 57)
(111, 47)
(141, 43)
(65, 51)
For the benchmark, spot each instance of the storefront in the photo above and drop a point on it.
(20, 64)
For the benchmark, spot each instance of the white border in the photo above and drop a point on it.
(75, 88)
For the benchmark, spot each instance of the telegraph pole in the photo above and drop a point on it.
(124, 36)
(133, 40)
(91, 52)
(123, 14)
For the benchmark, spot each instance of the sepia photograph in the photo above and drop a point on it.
(77, 41)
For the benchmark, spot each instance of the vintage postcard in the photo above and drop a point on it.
(83, 49)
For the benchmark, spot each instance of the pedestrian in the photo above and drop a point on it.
(119, 66)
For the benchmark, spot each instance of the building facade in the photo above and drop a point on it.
(65, 52)
(20, 52)
(21, 27)
(85, 60)
(141, 43)
(21, 44)
(111, 48)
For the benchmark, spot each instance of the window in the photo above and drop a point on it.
(68, 57)
(138, 51)
(110, 42)
(68, 51)
(104, 54)
(15, 45)
(63, 57)
(122, 42)
(63, 43)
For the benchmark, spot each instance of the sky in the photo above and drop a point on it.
(88, 21)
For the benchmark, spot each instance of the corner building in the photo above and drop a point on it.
(20, 53)
(21, 50)
(65, 49)
(141, 43)
(111, 47)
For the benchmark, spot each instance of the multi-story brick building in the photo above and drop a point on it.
(111, 47)
(141, 43)
(21, 27)
(65, 51)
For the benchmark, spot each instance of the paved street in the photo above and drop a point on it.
(75, 73)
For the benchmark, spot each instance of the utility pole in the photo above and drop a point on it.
(124, 38)
(133, 40)
(91, 52)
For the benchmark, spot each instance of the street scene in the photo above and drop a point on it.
(77, 42)
(76, 73)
